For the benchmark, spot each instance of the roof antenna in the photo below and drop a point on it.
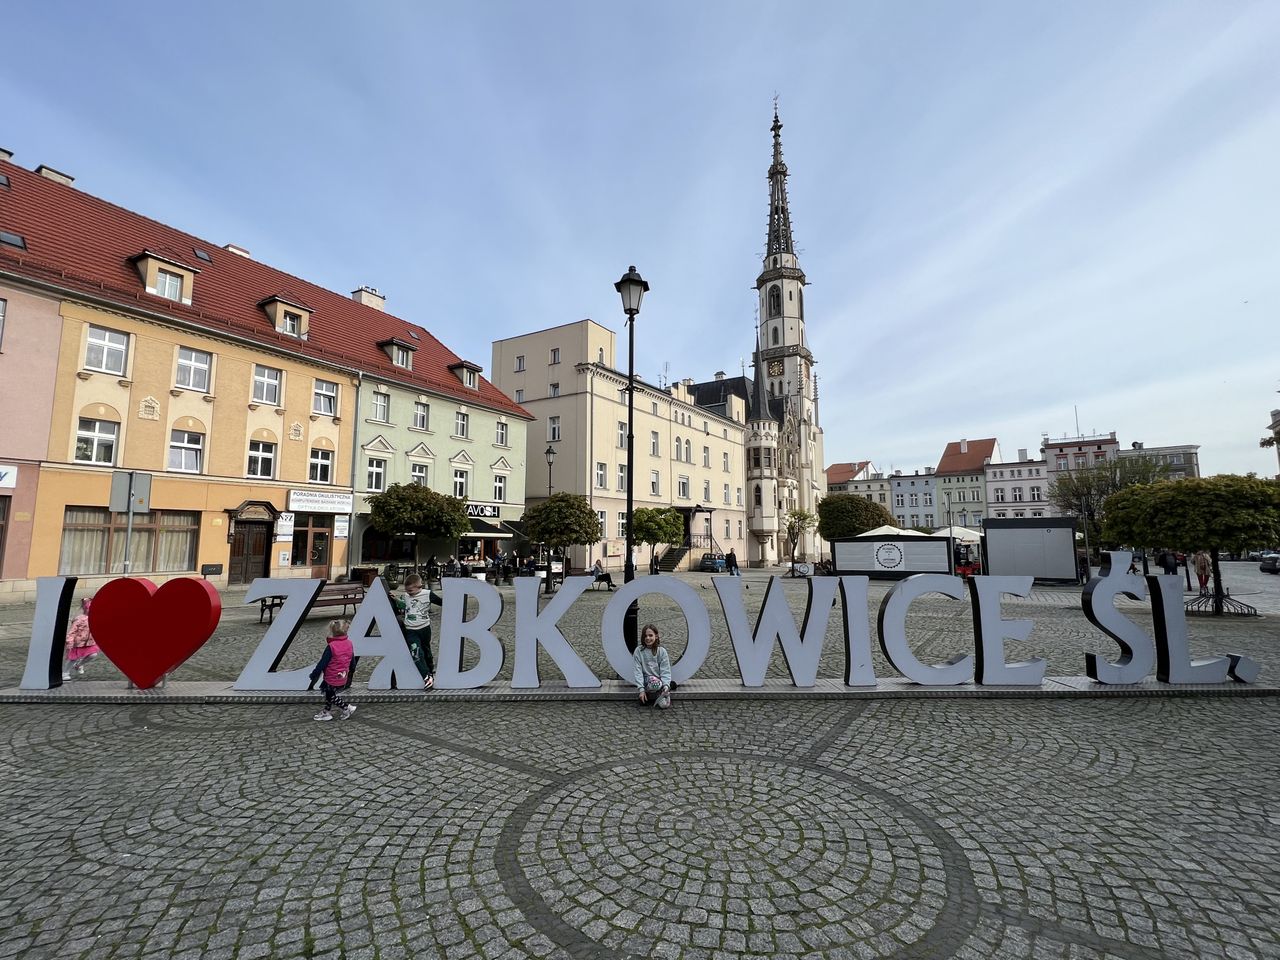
(1077, 410)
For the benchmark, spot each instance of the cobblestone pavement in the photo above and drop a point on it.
(1092, 829)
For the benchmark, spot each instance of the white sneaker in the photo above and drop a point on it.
(348, 710)
(79, 669)
(323, 715)
(65, 675)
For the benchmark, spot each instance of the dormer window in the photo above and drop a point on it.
(287, 315)
(166, 276)
(468, 373)
(398, 351)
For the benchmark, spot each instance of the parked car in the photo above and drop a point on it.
(1270, 563)
(711, 563)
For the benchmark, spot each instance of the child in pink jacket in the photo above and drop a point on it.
(81, 647)
(336, 664)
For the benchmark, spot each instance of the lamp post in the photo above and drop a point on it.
(951, 535)
(550, 454)
(632, 289)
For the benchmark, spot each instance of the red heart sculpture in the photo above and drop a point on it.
(148, 631)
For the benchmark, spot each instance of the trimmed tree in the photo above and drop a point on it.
(848, 515)
(1084, 491)
(655, 525)
(1207, 513)
(796, 522)
(561, 521)
(413, 508)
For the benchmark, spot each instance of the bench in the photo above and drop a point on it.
(348, 594)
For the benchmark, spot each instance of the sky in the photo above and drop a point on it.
(1014, 218)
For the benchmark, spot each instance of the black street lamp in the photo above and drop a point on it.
(631, 288)
(550, 454)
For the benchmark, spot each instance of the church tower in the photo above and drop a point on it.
(783, 356)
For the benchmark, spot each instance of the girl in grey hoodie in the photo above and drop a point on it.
(652, 669)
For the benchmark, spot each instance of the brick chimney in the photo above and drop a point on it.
(964, 446)
(56, 176)
(370, 297)
(238, 251)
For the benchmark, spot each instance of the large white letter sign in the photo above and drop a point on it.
(1173, 655)
(534, 627)
(396, 668)
(696, 619)
(48, 632)
(858, 669)
(892, 624)
(260, 672)
(1137, 652)
(801, 648)
(990, 631)
(454, 628)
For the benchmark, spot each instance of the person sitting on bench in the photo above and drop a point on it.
(601, 574)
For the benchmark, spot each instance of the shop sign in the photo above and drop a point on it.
(320, 501)
(284, 526)
(8, 477)
(485, 511)
(140, 623)
(341, 527)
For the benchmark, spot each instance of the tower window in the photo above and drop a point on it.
(774, 336)
(775, 301)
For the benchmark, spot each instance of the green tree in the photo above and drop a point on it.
(413, 508)
(795, 523)
(1084, 491)
(848, 515)
(1208, 513)
(655, 525)
(563, 520)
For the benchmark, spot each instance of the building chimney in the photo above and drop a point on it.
(56, 176)
(719, 374)
(964, 446)
(1022, 453)
(928, 471)
(370, 297)
(6, 154)
(238, 251)
(687, 382)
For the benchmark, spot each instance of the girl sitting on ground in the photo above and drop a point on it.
(652, 665)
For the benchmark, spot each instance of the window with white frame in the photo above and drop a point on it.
(706, 456)
(682, 488)
(555, 355)
(519, 396)
(706, 491)
(381, 411)
(622, 476)
(324, 398)
(622, 435)
(622, 526)
(500, 434)
(1035, 494)
(262, 459)
(999, 495)
(914, 500)
(554, 390)
(553, 428)
(169, 285)
(899, 500)
(418, 474)
(96, 441)
(469, 377)
(320, 466)
(602, 475)
(679, 448)
(688, 452)
(460, 484)
(421, 415)
(655, 483)
(520, 363)
(376, 474)
(961, 496)
(601, 516)
(193, 369)
(107, 351)
(500, 488)
(726, 493)
(653, 442)
(725, 461)
(461, 424)
(291, 323)
(1017, 494)
(266, 385)
(738, 496)
(401, 356)
(186, 451)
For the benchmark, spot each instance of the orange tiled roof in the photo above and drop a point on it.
(970, 461)
(844, 472)
(78, 242)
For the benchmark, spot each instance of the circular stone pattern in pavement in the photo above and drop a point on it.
(740, 854)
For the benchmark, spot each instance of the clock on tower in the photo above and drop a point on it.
(775, 368)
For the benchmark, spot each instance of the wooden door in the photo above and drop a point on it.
(249, 549)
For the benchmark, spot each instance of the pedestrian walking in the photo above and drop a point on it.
(652, 669)
(1169, 562)
(336, 666)
(731, 563)
(415, 606)
(81, 647)
(1203, 567)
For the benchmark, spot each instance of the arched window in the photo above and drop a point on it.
(757, 494)
(774, 337)
(678, 448)
(688, 452)
(775, 301)
(801, 303)
(600, 355)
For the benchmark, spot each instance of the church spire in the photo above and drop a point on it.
(759, 394)
(779, 213)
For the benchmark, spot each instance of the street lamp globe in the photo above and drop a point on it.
(632, 288)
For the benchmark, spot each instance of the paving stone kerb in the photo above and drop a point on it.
(937, 627)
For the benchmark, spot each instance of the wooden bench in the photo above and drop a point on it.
(347, 594)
